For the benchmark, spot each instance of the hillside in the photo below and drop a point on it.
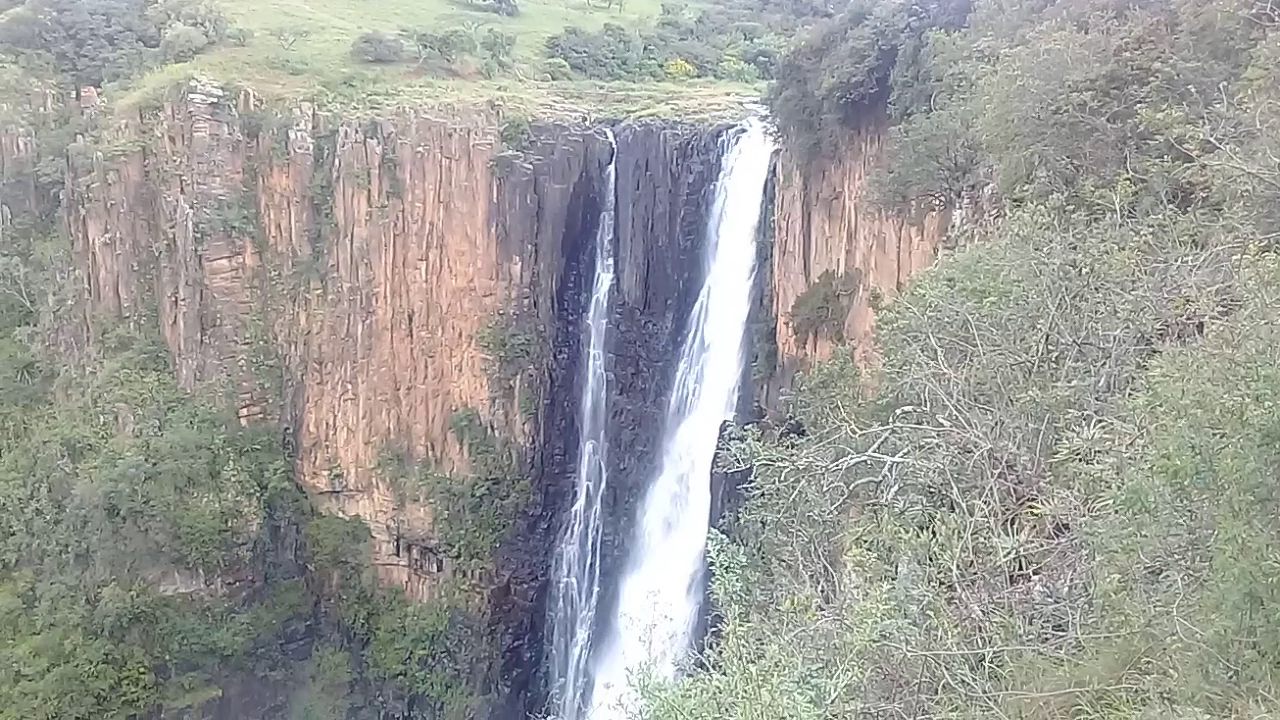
(1052, 494)
(538, 58)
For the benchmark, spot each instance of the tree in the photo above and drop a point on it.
(90, 41)
(377, 47)
(181, 43)
(499, 47)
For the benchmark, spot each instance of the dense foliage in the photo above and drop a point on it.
(823, 306)
(90, 42)
(1054, 497)
(157, 556)
(848, 65)
(739, 41)
(460, 51)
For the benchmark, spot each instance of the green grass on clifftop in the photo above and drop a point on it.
(301, 49)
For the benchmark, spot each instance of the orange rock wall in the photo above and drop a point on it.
(825, 221)
(331, 275)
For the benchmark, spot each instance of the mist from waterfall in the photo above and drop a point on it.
(575, 588)
(660, 590)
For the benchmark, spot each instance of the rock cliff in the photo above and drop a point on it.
(339, 276)
(825, 222)
(665, 173)
(335, 276)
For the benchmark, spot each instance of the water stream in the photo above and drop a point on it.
(575, 575)
(652, 628)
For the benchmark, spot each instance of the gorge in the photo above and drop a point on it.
(499, 360)
(412, 287)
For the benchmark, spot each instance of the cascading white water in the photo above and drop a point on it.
(661, 589)
(576, 571)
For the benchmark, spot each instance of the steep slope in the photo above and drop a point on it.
(336, 276)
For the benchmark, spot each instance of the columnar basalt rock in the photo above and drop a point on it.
(109, 211)
(666, 176)
(335, 276)
(18, 194)
(824, 220)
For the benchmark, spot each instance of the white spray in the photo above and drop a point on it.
(576, 572)
(661, 590)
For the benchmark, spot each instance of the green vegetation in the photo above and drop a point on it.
(401, 658)
(822, 308)
(511, 342)
(460, 51)
(516, 349)
(849, 64)
(472, 513)
(738, 41)
(155, 553)
(125, 505)
(90, 42)
(424, 650)
(397, 53)
(357, 56)
(137, 524)
(1053, 497)
(378, 47)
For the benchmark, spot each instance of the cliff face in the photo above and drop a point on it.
(825, 222)
(18, 195)
(334, 276)
(665, 172)
(339, 277)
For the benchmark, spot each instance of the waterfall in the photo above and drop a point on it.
(576, 569)
(661, 588)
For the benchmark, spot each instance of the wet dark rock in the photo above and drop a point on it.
(665, 179)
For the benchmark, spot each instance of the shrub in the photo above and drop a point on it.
(449, 46)
(763, 59)
(732, 68)
(497, 47)
(378, 47)
(508, 8)
(89, 42)
(181, 43)
(679, 69)
(715, 42)
(936, 157)
(822, 308)
(202, 16)
(239, 36)
(497, 341)
(614, 53)
(825, 82)
(557, 69)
